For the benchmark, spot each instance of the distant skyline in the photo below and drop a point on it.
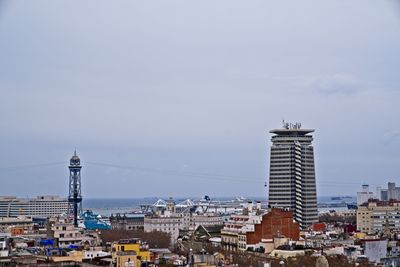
(159, 97)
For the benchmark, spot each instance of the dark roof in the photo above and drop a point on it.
(291, 131)
(130, 241)
(380, 202)
(210, 230)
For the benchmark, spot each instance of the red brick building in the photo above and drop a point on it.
(318, 227)
(275, 223)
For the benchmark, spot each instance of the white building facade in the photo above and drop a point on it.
(364, 195)
(166, 218)
(41, 206)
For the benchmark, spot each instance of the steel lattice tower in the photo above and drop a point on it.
(75, 197)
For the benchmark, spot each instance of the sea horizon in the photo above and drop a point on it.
(108, 206)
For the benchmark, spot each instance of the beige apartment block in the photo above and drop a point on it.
(377, 216)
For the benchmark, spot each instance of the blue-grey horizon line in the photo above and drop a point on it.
(169, 172)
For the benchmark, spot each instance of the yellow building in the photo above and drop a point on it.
(75, 256)
(378, 216)
(360, 235)
(126, 259)
(126, 246)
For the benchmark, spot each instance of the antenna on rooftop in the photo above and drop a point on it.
(286, 125)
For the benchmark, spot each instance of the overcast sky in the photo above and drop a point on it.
(181, 95)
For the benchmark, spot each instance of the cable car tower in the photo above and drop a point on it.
(75, 197)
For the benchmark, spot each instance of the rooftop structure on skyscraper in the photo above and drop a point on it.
(292, 173)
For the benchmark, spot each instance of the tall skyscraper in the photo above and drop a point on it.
(292, 173)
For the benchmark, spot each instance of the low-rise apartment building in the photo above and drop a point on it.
(277, 223)
(236, 226)
(252, 230)
(66, 234)
(133, 251)
(7, 224)
(205, 219)
(377, 216)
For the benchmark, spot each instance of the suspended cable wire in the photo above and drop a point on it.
(179, 173)
(30, 166)
(210, 176)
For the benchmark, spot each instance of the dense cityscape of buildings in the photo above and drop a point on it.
(392, 192)
(289, 230)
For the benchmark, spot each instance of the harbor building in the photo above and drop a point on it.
(292, 173)
(169, 220)
(41, 206)
(364, 195)
(167, 224)
(391, 192)
(127, 221)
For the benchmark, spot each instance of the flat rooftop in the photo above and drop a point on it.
(37, 198)
(292, 131)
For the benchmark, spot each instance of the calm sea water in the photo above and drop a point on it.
(108, 206)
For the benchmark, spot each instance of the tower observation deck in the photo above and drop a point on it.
(75, 197)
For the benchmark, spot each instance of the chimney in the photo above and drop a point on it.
(258, 205)
(250, 206)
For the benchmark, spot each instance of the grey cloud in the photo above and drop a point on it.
(194, 86)
(390, 137)
(337, 84)
(395, 4)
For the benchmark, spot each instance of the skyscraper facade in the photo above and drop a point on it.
(292, 173)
